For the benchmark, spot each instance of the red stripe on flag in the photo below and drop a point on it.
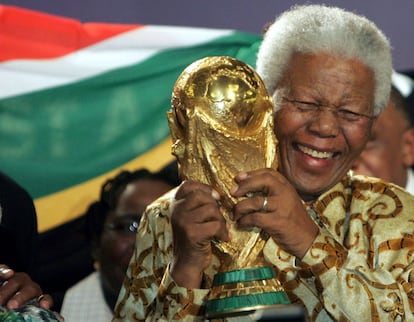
(28, 34)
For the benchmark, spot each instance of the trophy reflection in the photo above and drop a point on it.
(221, 123)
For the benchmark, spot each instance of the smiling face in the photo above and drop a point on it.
(317, 144)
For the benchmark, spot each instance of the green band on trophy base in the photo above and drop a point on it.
(244, 275)
(244, 304)
(261, 290)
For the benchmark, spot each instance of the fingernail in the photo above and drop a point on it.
(4, 270)
(215, 194)
(234, 189)
(12, 304)
(242, 175)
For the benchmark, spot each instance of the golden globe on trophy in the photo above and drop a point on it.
(221, 123)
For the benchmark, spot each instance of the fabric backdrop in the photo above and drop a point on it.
(80, 101)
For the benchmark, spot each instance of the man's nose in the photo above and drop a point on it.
(325, 123)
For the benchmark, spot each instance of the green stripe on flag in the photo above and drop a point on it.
(53, 139)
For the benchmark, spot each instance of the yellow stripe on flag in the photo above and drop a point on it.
(63, 206)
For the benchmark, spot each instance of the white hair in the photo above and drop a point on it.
(319, 28)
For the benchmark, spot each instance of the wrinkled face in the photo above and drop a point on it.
(387, 154)
(117, 244)
(324, 120)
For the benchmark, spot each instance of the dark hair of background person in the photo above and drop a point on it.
(113, 188)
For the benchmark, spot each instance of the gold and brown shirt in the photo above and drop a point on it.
(359, 268)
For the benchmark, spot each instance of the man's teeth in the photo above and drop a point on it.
(314, 153)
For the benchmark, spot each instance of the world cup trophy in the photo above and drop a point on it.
(221, 123)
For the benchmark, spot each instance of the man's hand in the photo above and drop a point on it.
(18, 288)
(196, 221)
(276, 208)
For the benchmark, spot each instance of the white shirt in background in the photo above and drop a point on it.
(85, 302)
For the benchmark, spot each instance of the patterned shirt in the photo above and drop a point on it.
(359, 268)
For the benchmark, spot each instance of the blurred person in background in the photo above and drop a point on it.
(112, 224)
(389, 153)
(20, 295)
(18, 226)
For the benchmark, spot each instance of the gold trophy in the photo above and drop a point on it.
(221, 123)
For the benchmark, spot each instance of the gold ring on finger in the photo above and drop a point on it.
(265, 204)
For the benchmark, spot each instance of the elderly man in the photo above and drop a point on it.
(342, 246)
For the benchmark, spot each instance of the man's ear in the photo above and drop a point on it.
(408, 147)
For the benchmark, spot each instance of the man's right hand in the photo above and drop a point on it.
(196, 221)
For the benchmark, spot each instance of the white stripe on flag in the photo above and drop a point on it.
(23, 76)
